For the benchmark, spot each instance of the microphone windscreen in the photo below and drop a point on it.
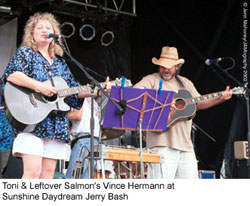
(49, 35)
(207, 62)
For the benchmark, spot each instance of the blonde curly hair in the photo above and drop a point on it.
(54, 49)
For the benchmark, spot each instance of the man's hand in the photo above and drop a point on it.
(227, 94)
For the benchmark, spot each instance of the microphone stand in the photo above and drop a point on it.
(194, 129)
(93, 83)
(194, 126)
(87, 69)
(247, 102)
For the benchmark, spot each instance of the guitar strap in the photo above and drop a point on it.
(177, 77)
(179, 81)
(53, 84)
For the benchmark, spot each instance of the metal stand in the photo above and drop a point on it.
(141, 105)
(94, 83)
(247, 93)
(141, 163)
(248, 123)
(92, 128)
(195, 127)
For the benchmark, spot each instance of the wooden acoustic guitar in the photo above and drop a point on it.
(184, 105)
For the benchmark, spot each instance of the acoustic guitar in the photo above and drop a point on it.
(26, 107)
(184, 105)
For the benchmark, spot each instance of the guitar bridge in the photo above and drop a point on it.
(32, 100)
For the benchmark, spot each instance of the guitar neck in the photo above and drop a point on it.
(73, 90)
(76, 90)
(204, 98)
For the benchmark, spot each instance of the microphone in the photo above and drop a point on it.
(213, 61)
(50, 35)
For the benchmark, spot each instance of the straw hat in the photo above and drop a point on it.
(169, 57)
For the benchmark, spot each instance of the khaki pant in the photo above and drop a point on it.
(177, 165)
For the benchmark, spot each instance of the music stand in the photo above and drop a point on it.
(145, 110)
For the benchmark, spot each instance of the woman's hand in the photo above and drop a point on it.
(45, 89)
(21, 79)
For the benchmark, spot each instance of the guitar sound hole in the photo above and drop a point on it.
(50, 99)
(179, 103)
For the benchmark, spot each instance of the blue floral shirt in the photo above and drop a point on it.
(34, 65)
(6, 138)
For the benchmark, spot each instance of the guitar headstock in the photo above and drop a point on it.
(127, 83)
(238, 91)
(116, 82)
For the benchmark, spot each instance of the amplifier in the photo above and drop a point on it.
(242, 167)
(241, 150)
